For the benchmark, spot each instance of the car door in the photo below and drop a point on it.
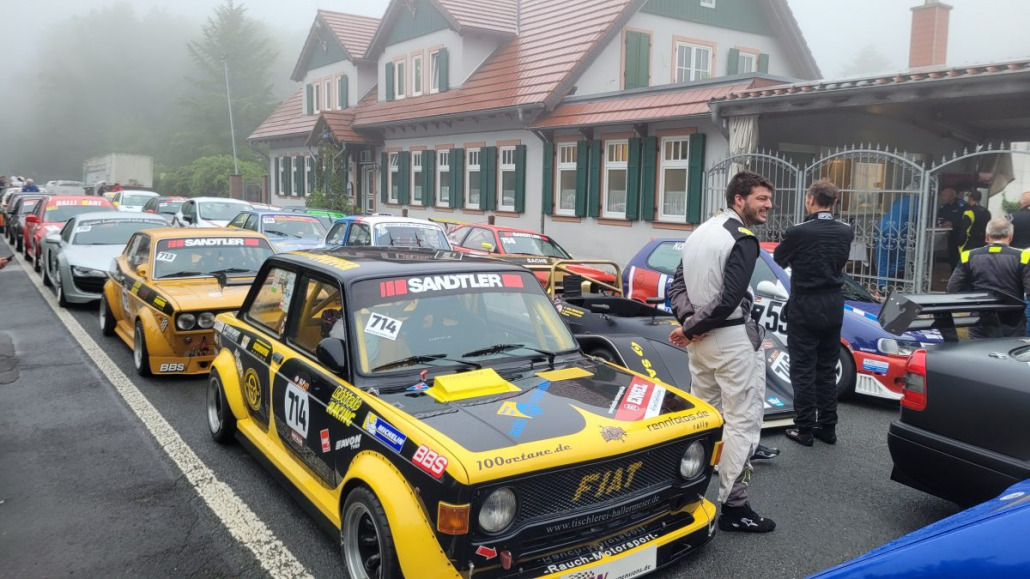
(133, 280)
(239, 221)
(301, 388)
(337, 234)
(768, 308)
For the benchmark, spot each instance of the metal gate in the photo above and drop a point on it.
(784, 176)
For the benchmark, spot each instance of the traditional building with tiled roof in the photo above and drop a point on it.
(549, 115)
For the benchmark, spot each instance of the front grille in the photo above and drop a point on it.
(552, 495)
(93, 285)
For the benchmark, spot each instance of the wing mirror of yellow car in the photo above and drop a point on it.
(142, 270)
(332, 353)
(488, 247)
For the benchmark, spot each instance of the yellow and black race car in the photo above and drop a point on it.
(438, 415)
(166, 288)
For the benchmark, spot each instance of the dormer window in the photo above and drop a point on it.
(434, 72)
(398, 79)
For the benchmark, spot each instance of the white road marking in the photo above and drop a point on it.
(239, 520)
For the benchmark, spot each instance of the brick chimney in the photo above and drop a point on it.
(929, 45)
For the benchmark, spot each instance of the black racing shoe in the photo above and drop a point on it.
(800, 437)
(744, 520)
(827, 435)
(763, 452)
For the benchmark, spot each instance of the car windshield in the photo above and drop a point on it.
(410, 235)
(135, 199)
(169, 207)
(852, 290)
(440, 320)
(296, 226)
(531, 244)
(220, 210)
(201, 256)
(110, 231)
(65, 210)
(666, 257)
(27, 206)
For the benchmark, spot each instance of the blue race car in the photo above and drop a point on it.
(286, 231)
(872, 360)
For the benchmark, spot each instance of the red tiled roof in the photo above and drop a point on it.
(637, 108)
(920, 75)
(353, 32)
(494, 15)
(288, 119)
(555, 43)
(341, 125)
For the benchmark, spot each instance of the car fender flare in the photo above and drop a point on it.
(112, 291)
(412, 530)
(157, 343)
(225, 364)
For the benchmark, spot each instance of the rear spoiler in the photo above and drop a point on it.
(904, 312)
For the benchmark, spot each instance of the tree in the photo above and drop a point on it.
(869, 60)
(229, 37)
(207, 176)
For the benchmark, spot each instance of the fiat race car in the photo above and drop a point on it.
(166, 288)
(48, 217)
(872, 360)
(386, 231)
(438, 415)
(285, 231)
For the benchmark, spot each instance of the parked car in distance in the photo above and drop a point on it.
(132, 199)
(166, 288)
(61, 187)
(402, 369)
(76, 260)
(208, 212)
(50, 215)
(165, 206)
(21, 205)
(386, 231)
(8, 194)
(326, 216)
(285, 231)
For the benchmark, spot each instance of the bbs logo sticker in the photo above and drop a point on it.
(172, 368)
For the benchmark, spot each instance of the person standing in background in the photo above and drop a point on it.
(816, 250)
(1021, 237)
(950, 212)
(974, 223)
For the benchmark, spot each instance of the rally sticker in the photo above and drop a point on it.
(268, 219)
(633, 565)
(165, 256)
(384, 432)
(83, 229)
(383, 326)
(641, 400)
(875, 366)
(297, 409)
(780, 362)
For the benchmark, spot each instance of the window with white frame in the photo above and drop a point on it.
(443, 178)
(506, 178)
(434, 71)
(616, 159)
(472, 182)
(746, 63)
(416, 177)
(565, 177)
(416, 75)
(328, 88)
(398, 80)
(672, 188)
(693, 62)
(315, 88)
(708, 3)
(394, 190)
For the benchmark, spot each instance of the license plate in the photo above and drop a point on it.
(635, 565)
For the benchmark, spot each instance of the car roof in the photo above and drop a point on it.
(120, 215)
(502, 228)
(377, 219)
(219, 199)
(172, 198)
(66, 198)
(264, 212)
(349, 264)
(159, 233)
(139, 192)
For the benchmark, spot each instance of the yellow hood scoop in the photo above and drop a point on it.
(485, 382)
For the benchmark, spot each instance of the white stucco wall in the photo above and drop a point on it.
(448, 38)
(474, 53)
(605, 73)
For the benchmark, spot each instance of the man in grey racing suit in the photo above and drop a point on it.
(711, 299)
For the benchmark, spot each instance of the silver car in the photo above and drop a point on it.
(77, 259)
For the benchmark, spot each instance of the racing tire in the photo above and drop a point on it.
(603, 353)
(366, 542)
(140, 356)
(36, 262)
(46, 276)
(61, 301)
(847, 377)
(107, 321)
(220, 419)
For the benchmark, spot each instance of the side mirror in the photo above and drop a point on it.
(332, 353)
(53, 239)
(487, 247)
(31, 219)
(187, 218)
(768, 289)
(142, 270)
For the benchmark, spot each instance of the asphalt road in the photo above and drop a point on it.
(86, 489)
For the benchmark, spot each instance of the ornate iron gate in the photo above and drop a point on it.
(784, 176)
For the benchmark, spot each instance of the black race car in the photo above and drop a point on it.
(963, 433)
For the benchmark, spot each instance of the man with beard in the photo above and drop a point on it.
(711, 299)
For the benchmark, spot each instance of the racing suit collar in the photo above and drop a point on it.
(819, 215)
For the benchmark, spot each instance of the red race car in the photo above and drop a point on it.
(50, 215)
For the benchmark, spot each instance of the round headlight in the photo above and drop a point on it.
(498, 510)
(693, 461)
(206, 320)
(186, 321)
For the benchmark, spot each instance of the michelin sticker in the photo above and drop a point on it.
(384, 432)
(383, 326)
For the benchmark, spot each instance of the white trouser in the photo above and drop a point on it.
(728, 373)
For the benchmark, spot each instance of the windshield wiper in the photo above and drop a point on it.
(181, 274)
(232, 270)
(498, 348)
(280, 233)
(421, 358)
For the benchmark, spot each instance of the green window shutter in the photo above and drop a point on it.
(520, 178)
(343, 92)
(384, 177)
(444, 66)
(457, 178)
(404, 177)
(648, 170)
(389, 81)
(298, 176)
(277, 175)
(695, 177)
(638, 60)
(733, 62)
(310, 102)
(594, 180)
(763, 63)
(488, 178)
(633, 180)
(582, 170)
(287, 176)
(428, 178)
(309, 174)
(548, 185)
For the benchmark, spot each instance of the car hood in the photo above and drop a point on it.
(284, 244)
(578, 412)
(867, 313)
(202, 293)
(92, 256)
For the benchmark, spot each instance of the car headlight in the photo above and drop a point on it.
(186, 321)
(893, 347)
(206, 320)
(693, 461)
(87, 272)
(498, 510)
